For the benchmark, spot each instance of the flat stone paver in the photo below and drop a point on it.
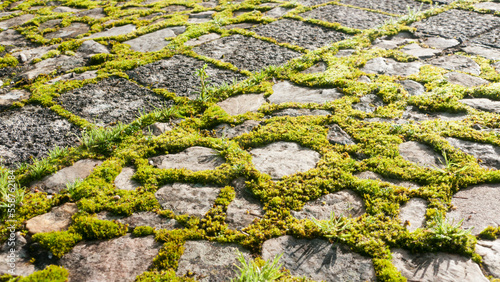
(193, 158)
(421, 154)
(488, 154)
(183, 198)
(389, 6)
(412, 213)
(241, 104)
(154, 41)
(115, 31)
(58, 219)
(391, 67)
(285, 91)
(344, 203)
(123, 180)
(490, 252)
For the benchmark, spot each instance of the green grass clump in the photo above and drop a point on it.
(258, 270)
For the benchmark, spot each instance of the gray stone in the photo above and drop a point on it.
(420, 154)
(318, 67)
(124, 180)
(239, 25)
(56, 182)
(344, 53)
(419, 52)
(390, 6)
(15, 21)
(58, 219)
(241, 104)
(75, 76)
(457, 63)
(412, 213)
(183, 198)
(436, 267)
(119, 259)
(202, 39)
(412, 87)
(285, 91)
(175, 8)
(464, 79)
(375, 176)
(227, 131)
(71, 31)
(158, 128)
(11, 37)
(6, 100)
(412, 113)
(488, 53)
(390, 44)
(364, 79)
(483, 104)
(491, 6)
(490, 252)
(61, 63)
(344, 203)
(148, 219)
(210, 261)
(23, 266)
(115, 31)
(193, 158)
(477, 206)
(154, 41)
(368, 103)
(441, 43)
(319, 260)
(244, 209)
(277, 12)
(198, 20)
(391, 67)
(280, 159)
(300, 112)
(209, 4)
(96, 13)
(90, 47)
(33, 53)
(202, 15)
(488, 154)
(63, 9)
(336, 135)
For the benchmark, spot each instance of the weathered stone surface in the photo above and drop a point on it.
(124, 180)
(58, 219)
(389, 44)
(375, 176)
(154, 41)
(210, 261)
(227, 131)
(148, 219)
(368, 103)
(389, 6)
(344, 53)
(490, 252)
(464, 79)
(318, 67)
(22, 261)
(285, 91)
(391, 67)
(483, 104)
(346, 16)
(96, 13)
(90, 47)
(436, 267)
(457, 63)
(300, 112)
(488, 154)
(6, 100)
(202, 15)
(280, 159)
(477, 206)
(158, 128)
(441, 43)
(488, 53)
(175, 8)
(75, 76)
(344, 203)
(12, 37)
(246, 52)
(63, 9)
(412, 213)
(277, 12)
(56, 182)
(120, 259)
(319, 260)
(413, 113)
(414, 88)
(241, 104)
(71, 31)
(336, 135)
(202, 39)
(490, 6)
(61, 63)
(239, 25)
(420, 154)
(115, 31)
(25, 56)
(193, 158)
(244, 209)
(419, 52)
(15, 21)
(364, 79)
(183, 198)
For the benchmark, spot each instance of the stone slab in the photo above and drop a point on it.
(457, 63)
(285, 91)
(490, 252)
(391, 67)
(389, 6)
(124, 180)
(488, 154)
(154, 41)
(115, 31)
(375, 176)
(61, 64)
(240, 104)
(344, 203)
(58, 219)
(193, 158)
(464, 79)
(412, 213)
(421, 154)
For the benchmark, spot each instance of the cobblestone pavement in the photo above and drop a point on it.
(169, 140)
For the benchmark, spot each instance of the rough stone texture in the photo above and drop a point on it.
(285, 91)
(23, 265)
(193, 158)
(389, 44)
(436, 267)
(6, 100)
(61, 64)
(344, 53)
(336, 135)
(111, 100)
(25, 56)
(488, 154)
(389, 6)
(96, 13)
(241, 104)
(56, 182)
(441, 43)
(75, 76)
(344, 203)
(413, 113)
(183, 198)
(123, 180)
(13, 38)
(490, 252)
(63, 9)
(368, 103)
(246, 52)
(414, 88)
(391, 67)
(419, 52)
(300, 112)
(175, 8)
(37, 131)
(227, 131)
(277, 12)
(115, 31)
(120, 259)
(58, 219)
(148, 219)
(239, 25)
(421, 154)
(280, 159)
(464, 79)
(158, 128)
(300, 33)
(319, 260)
(490, 6)
(412, 213)
(478, 206)
(457, 63)
(244, 209)
(490, 38)
(15, 21)
(210, 261)
(177, 74)
(375, 176)
(71, 31)
(483, 104)
(318, 67)
(488, 53)
(154, 41)
(346, 16)
(202, 39)
(90, 47)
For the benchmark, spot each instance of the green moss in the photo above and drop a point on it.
(52, 273)
(490, 233)
(92, 228)
(162, 276)
(8, 61)
(141, 231)
(58, 243)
